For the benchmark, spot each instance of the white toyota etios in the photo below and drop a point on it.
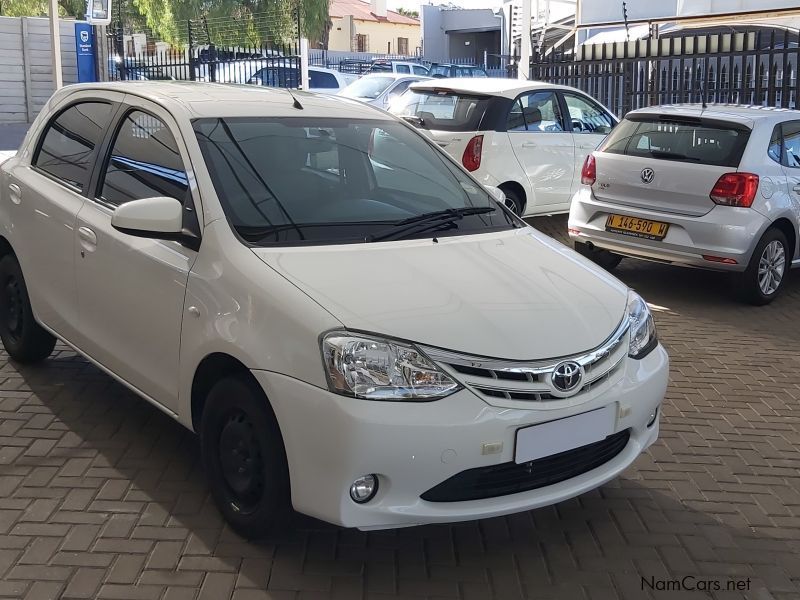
(352, 324)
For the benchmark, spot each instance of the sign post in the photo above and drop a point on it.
(84, 49)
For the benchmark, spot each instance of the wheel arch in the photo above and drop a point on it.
(785, 226)
(209, 371)
(5, 247)
(518, 189)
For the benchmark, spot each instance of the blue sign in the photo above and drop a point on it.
(84, 49)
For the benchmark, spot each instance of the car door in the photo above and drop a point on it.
(791, 160)
(590, 123)
(130, 289)
(543, 147)
(45, 197)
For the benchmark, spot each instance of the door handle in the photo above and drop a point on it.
(88, 240)
(529, 144)
(15, 193)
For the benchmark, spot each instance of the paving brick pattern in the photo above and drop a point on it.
(102, 496)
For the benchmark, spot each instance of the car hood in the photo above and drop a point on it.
(516, 294)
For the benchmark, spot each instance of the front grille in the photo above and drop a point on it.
(512, 478)
(530, 381)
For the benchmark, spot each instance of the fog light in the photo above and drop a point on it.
(651, 420)
(364, 489)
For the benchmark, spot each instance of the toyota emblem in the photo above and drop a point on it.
(647, 175)
(567, 376)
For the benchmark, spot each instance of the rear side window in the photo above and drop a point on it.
(402, 69)
(144, 162)
(535, 111)
(420, 70)
(791, 144)
(699, 141)
(67, 148)
(443, 111)
(320, 79)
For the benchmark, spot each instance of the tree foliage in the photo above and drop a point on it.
(41, 8)
(414, 14)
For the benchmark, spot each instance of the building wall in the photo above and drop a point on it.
(344, 30)
(26, 70)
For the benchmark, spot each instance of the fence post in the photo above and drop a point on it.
(304, 63)
(192, 59)
(119, 50)
(212, 63)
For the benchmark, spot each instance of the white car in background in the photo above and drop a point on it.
(715, 187)
(354, 325)
(527, 138)
(320, 79)
(398, 67)
(380, 89)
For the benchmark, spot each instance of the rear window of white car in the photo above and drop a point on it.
(442, 110)
(702, 141)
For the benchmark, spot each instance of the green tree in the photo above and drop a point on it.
(414, 14)
(41, 8)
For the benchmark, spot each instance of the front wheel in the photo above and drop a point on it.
(244, 458)
(24, 339)
(604, 258)
(766, 273)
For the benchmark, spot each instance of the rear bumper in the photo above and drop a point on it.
(724, 232)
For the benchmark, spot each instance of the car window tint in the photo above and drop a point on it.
(400, 87)
(774, 149)
(144, 162)
(320, 79)
(791, 144)
(67, 148)
(402, 69)
(587, 116)
(541, 113)
(516, 122)
(443, 111)
(420, 70)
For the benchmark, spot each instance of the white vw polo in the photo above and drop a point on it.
(350, 322)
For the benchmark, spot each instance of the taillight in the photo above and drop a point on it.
(472, 154)
(589, 171)
(735, 189)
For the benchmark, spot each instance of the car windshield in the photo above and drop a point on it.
(367, 87)
(289, 181)
(442, 110)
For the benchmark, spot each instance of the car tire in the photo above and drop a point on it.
(244, 458)
(23, 338)
(513, 202)
(766, 273)
(604, 258)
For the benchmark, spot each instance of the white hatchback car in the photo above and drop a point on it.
(714, 187)
(380, 89)
(352, 324)
(527, 138)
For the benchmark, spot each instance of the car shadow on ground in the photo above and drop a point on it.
(146, 470)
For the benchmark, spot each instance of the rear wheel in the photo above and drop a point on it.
(604, 258)
(766, 274)
(244, 458)
(24, 339)
(513, 202)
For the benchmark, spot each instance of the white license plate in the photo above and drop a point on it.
(538, 441)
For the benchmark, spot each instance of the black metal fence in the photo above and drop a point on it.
(755, 67)
(269, 62)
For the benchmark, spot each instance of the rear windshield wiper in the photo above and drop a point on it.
(414, 120)
(672, 155)
(425, 221)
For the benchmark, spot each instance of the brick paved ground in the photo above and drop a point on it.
(103, 496)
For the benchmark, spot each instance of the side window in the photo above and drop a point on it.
(400, 88)
(791, 144)
(320, 79)
(539, 112)
(68, 143)
(587, 116)
(775, 144)
(402, 68)
(144, 162)
(420, 70)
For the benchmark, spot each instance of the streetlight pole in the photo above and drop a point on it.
(55, 44)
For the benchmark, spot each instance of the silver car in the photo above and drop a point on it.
(716, 188)
(380, 89)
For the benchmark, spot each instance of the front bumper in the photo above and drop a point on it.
(724, 232)
(413, 446)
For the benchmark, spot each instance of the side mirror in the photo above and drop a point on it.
(158, 218)
(496, 193)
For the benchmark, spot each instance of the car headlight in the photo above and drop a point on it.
(374, 368)
(643, 328)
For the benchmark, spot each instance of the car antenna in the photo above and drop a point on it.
(295, 102)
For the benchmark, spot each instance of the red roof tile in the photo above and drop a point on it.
(362, 11)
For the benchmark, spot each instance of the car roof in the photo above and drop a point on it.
(391, 75)
(204, 100)
(740, 113)
(491, 86)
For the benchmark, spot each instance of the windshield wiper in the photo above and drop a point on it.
(672, 155)
(425, 221)
(414, 120)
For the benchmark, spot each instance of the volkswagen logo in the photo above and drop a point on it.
(567, 376)
(647, 175)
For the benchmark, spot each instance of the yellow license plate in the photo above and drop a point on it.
(633, 226)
